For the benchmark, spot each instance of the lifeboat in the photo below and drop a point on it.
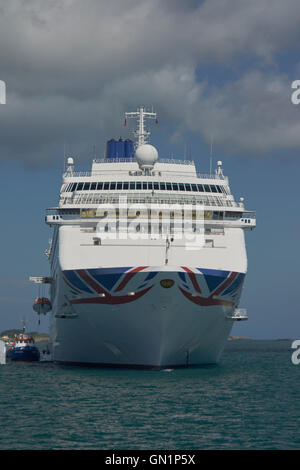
(42, 305)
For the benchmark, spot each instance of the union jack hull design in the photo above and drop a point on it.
(211, 287)
(203, 287)
(108, 284)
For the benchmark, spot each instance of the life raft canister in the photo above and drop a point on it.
(42, 305)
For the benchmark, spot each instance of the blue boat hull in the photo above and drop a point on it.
(28, 353)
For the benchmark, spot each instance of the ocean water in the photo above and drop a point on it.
(250, 400)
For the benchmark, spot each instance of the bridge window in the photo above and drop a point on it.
(139, 185)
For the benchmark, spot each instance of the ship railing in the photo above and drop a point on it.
(216, 225)
(211, 176)
(95, 174)
(84, 201)
(130, 199)
(174, 161)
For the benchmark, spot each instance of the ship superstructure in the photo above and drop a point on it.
(147, 259)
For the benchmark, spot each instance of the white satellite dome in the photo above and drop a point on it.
(146, 156)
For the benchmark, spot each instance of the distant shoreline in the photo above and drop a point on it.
(8, 335)
(244, 338)
(238, 338)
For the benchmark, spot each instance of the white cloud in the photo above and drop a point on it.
(251, 115)
(73, 67)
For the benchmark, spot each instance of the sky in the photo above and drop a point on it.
(218, 69)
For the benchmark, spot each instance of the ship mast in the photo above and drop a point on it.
(142, 135)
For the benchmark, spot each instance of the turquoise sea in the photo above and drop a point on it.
(250, 400)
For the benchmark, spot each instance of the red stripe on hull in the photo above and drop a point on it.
(128, 277)
(226, 283)
(206, 301)
(112, 299)
(193, 279)
(82, 273)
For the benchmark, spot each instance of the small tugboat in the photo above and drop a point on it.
(23, 348)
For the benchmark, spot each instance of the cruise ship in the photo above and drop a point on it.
(147, 259)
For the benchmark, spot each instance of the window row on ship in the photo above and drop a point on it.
(144, 185)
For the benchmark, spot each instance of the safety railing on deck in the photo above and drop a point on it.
(147, 199)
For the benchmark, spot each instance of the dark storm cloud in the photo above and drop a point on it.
(73, 67)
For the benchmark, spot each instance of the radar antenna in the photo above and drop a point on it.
(141, 134)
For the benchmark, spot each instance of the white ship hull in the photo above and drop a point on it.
(123, 317)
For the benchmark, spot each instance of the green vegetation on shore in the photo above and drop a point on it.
(236, 338)
(9, 335)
